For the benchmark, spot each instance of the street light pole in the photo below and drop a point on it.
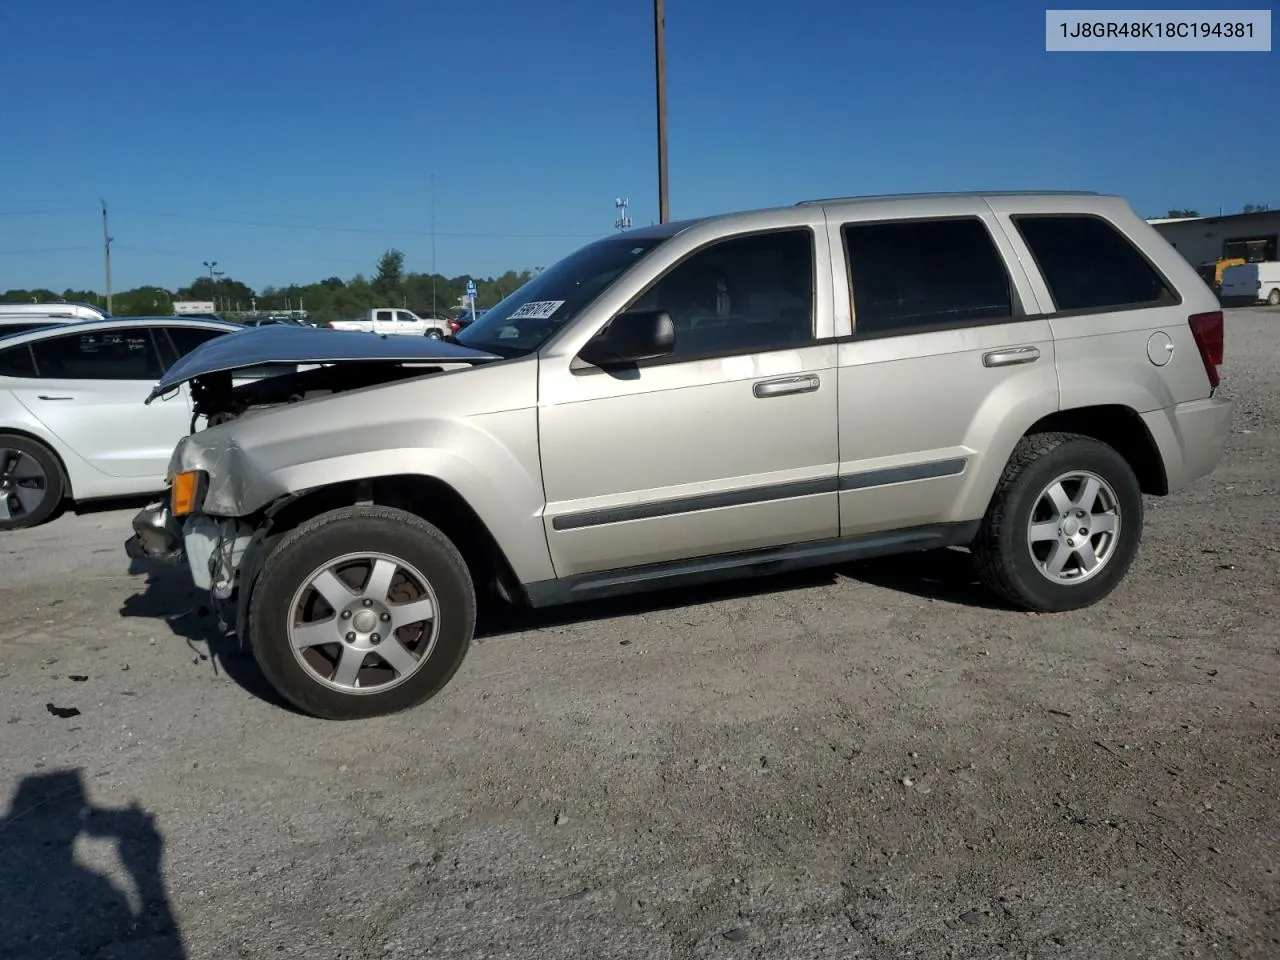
(106, 252)
(660, 63)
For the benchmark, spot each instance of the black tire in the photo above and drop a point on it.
(53, 486)
(1003, 558)
(434, 334)
(335, 534)
(1273, 299)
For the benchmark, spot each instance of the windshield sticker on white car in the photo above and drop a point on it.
(537, 310)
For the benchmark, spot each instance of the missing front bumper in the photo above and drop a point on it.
(156, 536)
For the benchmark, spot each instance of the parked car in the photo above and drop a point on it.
(463, 320)
(62, 309)
(72, 422)
(394, 322)
(17, 317)
(717, 398)
(268, 321)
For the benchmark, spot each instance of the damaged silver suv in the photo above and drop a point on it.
(718, 398)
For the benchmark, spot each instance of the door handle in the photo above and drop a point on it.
(44, 396)
(778, 388)
(1011, 356)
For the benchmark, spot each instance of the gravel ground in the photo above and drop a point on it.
(871, 762)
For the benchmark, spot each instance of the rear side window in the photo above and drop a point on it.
(916, 276)
(185, 339)
(1090, 265)
(17, 362)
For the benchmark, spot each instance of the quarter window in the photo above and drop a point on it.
(17, 362)
(101, 355)
(914, 276)
(1090, 265)
(742, 295)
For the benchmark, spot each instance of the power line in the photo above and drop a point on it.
(331, 228)
(23, 253)
(39, 211)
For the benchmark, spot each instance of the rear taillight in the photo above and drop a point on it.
(455, 326)
(328, 326)
(1207, 330)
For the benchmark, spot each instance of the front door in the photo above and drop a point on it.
(90, 391)
(728, 445)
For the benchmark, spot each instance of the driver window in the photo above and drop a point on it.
(742, 295)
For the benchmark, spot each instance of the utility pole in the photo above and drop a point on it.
(433, 246)
(660, 62)
(106, 252)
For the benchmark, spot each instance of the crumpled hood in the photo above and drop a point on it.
(262, 346)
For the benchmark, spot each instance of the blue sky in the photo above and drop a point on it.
(293, 140)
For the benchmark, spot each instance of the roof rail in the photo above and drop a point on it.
(956, 193)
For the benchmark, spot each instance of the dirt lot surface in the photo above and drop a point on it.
(873, 762)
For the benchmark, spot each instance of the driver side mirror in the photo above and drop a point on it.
(633, 336)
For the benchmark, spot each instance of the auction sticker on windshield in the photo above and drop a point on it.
(537, 310)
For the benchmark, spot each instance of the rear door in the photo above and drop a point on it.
(943, 365)
(1119, 322)
(384, 321)
(89, 392)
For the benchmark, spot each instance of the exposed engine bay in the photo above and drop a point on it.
(218, 398)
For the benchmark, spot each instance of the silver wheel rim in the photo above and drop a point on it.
(363, 623)
(23, 484)
(434, 334)
(1074, 528)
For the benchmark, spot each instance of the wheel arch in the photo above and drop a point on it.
(1119, 427)
(429, 498)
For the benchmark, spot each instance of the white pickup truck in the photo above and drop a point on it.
(394, 320)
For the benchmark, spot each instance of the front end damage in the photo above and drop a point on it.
(219, 512)
(213, 549)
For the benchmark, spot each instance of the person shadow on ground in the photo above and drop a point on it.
(58, 909)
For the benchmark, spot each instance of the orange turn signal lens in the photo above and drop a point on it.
(186, 492)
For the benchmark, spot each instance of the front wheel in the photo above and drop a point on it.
(1063, 526)
(362, 612)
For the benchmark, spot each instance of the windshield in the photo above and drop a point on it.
(520, 323)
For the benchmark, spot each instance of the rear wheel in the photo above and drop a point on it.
(1064, 525)
(31, 485)
(362, 612)
(1274, 297)
(435, 334)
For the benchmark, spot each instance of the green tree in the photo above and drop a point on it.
(225, 291)
(1177, 214)
(388, 283)
(142, 302)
